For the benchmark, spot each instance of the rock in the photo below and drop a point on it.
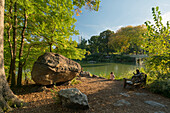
(141, 94)
(153, 103)
(102, 77)
(73, 98)
(121, 103)
(84, 74)
(159, 112)
(38, 89)
(125, 94)
(53, 68)
(95, 76)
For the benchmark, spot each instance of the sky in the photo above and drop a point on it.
(114, 14)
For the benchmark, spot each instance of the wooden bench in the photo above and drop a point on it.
(136, 80)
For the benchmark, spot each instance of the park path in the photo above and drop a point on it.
(104, 96)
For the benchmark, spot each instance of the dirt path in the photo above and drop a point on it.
(102, 96)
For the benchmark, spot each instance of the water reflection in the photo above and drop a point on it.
(105, 68)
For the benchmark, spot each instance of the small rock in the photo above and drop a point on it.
(121, 103)
(38, 89)
(94, 76)
(159, 112)
(141, 94)
(125, 94)
(153, 103)
(102, 77)
(85, 74)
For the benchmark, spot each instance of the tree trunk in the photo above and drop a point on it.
(50, 47)
(20, 65)
(10, 73)
(6, 95)
(13, 81)
(9, 41)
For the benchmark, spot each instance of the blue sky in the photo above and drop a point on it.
(114, 14)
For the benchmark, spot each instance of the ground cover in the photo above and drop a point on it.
(103, 96)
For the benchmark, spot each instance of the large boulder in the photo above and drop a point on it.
(53, 68)
(73, 98)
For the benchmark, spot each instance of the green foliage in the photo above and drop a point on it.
(74, 81)
(112, 58)
(127, 39)
(161, 87)
(50, 25)
(128, 75)
(99, 44)
(104, 75)
(70, 50)
(55, 96)
(94, 44)
(104, 41)
(156, 43)
(91, 4)
(83, 44)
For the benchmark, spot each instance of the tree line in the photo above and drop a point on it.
(127, 40)
(152, 39)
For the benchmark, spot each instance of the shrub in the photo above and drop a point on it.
(161, 87)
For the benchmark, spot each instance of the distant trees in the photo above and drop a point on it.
(128, 39)
(100, 44)
(104, 41)
(94, 44)
(125, 40)
(83, 44)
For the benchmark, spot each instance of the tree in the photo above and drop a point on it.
(70, 50)
(128, 39)
(156, 42)
(83, 44)
(104, 41)
(49, 23)
(94, 44)
(6, 95)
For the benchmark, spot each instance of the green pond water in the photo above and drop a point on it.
(105, 68)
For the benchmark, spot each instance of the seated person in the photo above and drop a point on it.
(137, 76)
(137, 72)
(112, 76)
(137, 79)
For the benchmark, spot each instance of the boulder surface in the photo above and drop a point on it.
(53, 68)
(73, 98)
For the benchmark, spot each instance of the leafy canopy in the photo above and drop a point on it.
(156, 43)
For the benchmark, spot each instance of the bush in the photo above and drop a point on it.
(161, 87)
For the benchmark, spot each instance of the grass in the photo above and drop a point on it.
(74, 81)
(55, 96)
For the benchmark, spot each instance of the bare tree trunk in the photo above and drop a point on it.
(50, 47)
(13, 81)
(20, 66)
(9, 41)
(6, 95)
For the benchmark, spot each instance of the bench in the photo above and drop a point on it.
(136, 80)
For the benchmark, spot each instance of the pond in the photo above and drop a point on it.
(105, 68)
